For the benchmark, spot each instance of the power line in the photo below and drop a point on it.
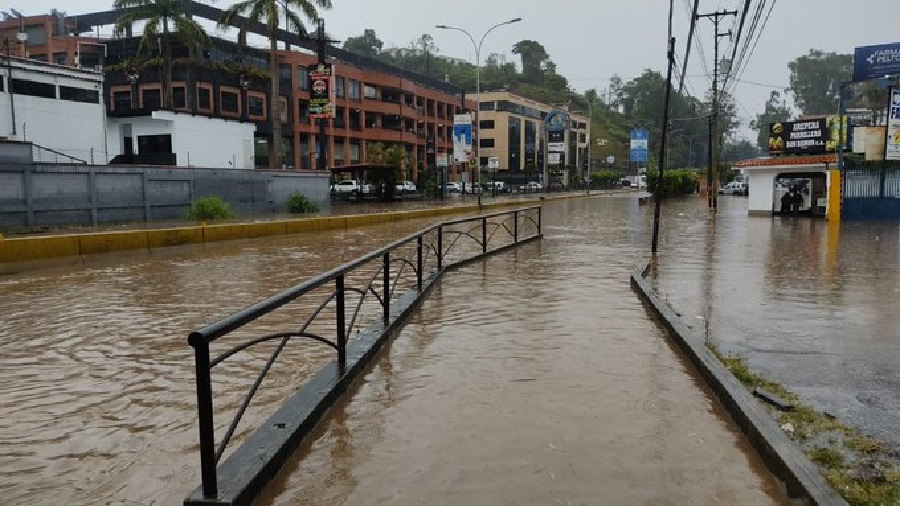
(737, 39)
(754, 24)
(758, 36)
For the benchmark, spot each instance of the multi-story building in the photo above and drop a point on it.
(510, 129)
(375, 103)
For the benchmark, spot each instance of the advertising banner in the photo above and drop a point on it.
(806, 137)
(557, 122)
(640, 145)
(443, 159)
(875, 62)
(555, 158)
(462, 137)
(321, 91)
(556, 141)
(892, 150)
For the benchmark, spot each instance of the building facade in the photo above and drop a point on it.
(375, 103)
(511, 129)
(60, 110)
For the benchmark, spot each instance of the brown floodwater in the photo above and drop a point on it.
(535, 376)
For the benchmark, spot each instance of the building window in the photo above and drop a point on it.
(256, 106)
(285, 71)
(353, 93)
(154, 144)
(36, 34)
(151, 98)
(369, 92)
(61, 58)
(179, 97)
(304, 110)
(229, 101)
(339, 87)
(121, 100)
(486, 124)
(303, 78)
(339, 118)
(204, 98)
(33, 88)
(486, 143)
(79, 95)
(1, 85)
(487, 106)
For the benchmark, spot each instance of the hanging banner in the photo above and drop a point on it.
(321, 91)
(462, 137)
(892, 150)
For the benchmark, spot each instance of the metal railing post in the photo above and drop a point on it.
(387, 288)
(483, 235)
(440, 248)
(205, 420)
(419, 262)
(516, 226)
(539, 218)
(341, 321)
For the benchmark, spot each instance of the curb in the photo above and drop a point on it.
(26, 249)
(798, 477)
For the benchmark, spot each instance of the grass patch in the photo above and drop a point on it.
(863, 470)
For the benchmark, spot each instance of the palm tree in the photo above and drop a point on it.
(270, 13)
(159, 14)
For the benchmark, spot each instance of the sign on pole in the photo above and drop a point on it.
(321, 91)
(640, 145)
(875, 62)
(493, 163)
(892, 150)
(442, 159)
(555, 157)
(462, 137)
(557, 122)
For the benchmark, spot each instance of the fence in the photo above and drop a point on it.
(75, 194)
(374, 292)
(871, 193)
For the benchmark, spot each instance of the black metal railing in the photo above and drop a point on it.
(372, 279)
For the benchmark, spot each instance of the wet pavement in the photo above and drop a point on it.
(534, 377)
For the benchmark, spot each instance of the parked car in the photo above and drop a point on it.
(500, 186)
(473, 188)
(734, 188)
(350, 185)
(453, 187)
(405, 187)
(533, 186)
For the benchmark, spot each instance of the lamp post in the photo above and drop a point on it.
(133, 76)
(9, 84)
(477, 47)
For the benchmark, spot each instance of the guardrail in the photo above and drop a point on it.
(375, 285)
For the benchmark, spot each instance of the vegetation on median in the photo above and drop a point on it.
(863, 470)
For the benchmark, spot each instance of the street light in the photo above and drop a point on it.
(478, 73)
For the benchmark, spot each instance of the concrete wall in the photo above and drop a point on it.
(197, 141)
(74, 128)
(761, 185)
(78, 195)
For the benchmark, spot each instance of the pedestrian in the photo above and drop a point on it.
(786, 202)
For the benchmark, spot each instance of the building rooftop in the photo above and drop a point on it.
(787, 160)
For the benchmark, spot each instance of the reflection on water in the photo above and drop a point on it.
(810, 303)
(536, 371)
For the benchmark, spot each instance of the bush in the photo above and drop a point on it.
(675, 182)
(605, 179)
(297, 203)
(210, 208)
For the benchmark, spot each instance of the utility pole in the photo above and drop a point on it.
(712, 175)
(322, 162)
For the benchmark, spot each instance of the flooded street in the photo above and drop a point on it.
(535, 376)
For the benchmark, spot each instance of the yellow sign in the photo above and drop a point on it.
(473, 162)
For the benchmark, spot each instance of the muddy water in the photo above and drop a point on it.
(535, 377)
(809, 303)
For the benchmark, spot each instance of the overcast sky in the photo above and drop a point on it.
(590, 40)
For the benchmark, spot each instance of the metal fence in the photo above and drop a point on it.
(358, 295)
(871, 193)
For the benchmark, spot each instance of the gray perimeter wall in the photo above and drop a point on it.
(40, 195)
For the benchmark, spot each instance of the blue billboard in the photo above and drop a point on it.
(640, 145)
(875, 62)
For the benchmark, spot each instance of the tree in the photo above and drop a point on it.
(740, 150)
(367, 44)
(533, 57)
(270, 13)
(816, 78)
(775, 111)
(159, 14)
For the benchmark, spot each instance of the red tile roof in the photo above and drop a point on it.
(788, 160)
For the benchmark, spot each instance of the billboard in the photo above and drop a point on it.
(875, 62)
(321, 91)
(462, 137)
(892, 150)
(556, 141)
(807, 137)
(640, 145)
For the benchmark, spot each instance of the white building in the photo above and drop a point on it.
(58, 109)
(195, 141)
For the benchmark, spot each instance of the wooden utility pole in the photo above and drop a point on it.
(712, 175)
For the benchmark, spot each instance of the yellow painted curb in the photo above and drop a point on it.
(301, 226)
(212, 233)
(165, 237)
(38, 248)
(107, 242)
